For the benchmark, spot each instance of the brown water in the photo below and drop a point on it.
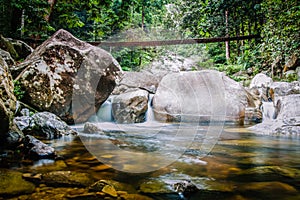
(242, 165)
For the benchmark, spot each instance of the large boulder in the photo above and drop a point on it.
(7, 98)
(130, 107)
(68, 77)
(200, 96)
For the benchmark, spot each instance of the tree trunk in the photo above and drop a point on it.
(227, 45)
(52, 4)
(143, 17)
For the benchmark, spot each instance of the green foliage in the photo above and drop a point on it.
(18, 90)
(134, 59)
(281, 33)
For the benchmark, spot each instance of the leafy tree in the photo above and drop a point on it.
(281, 32)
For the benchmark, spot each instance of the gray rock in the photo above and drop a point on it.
(287, 120)
(68, 77)
(145, 80)
(288, 106)
(130, 107)
(91, 128)
(284, 88)
(260, 80)
(36, 149)
(44, 125)
(200, 97)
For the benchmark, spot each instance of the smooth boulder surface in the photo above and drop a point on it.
(201, 96)
(68, 77)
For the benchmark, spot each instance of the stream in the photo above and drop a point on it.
(242, 165)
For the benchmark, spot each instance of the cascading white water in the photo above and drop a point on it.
(268, 111)
(104, 114)
(150, 114)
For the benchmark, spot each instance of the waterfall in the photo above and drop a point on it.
(150, 113)
(268, 111)
(104, 114)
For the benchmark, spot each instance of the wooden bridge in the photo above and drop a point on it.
(154, 43)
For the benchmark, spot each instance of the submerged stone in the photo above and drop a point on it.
(67, 179)
(12, 184)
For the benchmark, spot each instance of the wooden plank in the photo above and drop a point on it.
(172, 42)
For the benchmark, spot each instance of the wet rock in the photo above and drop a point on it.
(155, 187)
(105, 187)
(68, 77)
(186, 188)
(91, 128)
(67, 179)
(189, 96)
(44, 125)
(98, 186)
(12, 184)
(36, 149)
(130, 107)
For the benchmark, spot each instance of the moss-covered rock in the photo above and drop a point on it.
(12, 184)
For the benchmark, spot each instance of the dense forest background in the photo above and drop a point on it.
(277, 22)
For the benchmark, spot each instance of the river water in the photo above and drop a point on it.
(241, 165)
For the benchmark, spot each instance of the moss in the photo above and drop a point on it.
(12, 183)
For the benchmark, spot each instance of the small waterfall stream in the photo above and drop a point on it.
(268, 111)
(150, 114)
(104, 114)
